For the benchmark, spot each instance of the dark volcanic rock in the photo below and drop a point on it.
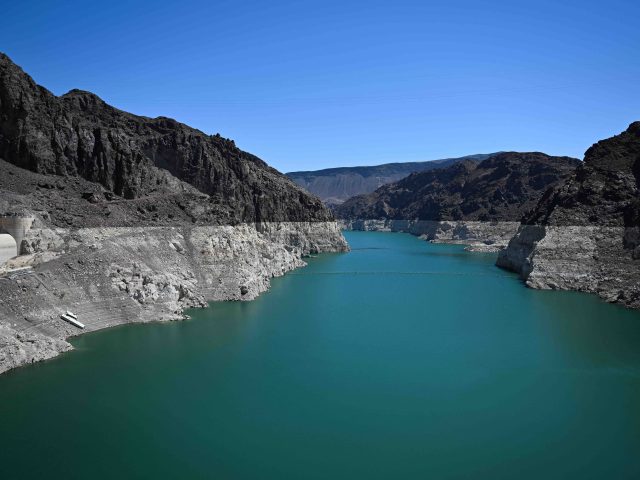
(335, 185)
(500, 188)
(604, 189)
(129, 157)
(585, 234)
(121, 218)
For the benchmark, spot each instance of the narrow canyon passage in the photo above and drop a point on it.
(399, 359)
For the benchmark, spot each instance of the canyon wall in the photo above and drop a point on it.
(134, 218)
(478, 236)
(335, 185)
(585, 234)
(478, 204)
(116, 275)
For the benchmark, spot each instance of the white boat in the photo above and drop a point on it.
(71, 314)
(72, 320)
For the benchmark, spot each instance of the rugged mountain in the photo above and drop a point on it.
(335, 185)
(129, 157)
(121, 218)
(501, 188)
(585, 234)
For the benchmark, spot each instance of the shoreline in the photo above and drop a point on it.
(120, 275)
(586, 259)
(487, 237)
(180, 315)
(583, 258)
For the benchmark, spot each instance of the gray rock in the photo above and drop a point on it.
(583, 234)
(134, 219)
(335, 185)
(98, 154)
(501, 188)
(137, 276)
(478, 236)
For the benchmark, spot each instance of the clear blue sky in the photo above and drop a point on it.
(308, 85)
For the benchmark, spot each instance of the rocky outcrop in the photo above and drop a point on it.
(19, 348)
(127, 156)
(111, 276)
(335, 185)
(584, 235)
(502, 188)
(476, 204)
(478, 236)
(134, 219)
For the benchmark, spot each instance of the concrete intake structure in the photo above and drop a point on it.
(7, 248)
(17, 225)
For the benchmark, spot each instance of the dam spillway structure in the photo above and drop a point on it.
(13, 229)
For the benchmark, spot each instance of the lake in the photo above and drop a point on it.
(400, 359)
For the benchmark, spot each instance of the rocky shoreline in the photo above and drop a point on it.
(122, 218)
(117, 275)
(559, 223)
(585, 234)
(589, 259)
(478, 204)
(478, 236)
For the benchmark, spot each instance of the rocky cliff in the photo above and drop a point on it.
(133, 219)
(478, 236)
(476, 203)
(501, 188)
(132, 157)
(110, 276)
(585, 234)
(335, 185)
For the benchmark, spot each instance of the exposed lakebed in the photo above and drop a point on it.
(400, 359)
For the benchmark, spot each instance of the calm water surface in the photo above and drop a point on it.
(400, 359)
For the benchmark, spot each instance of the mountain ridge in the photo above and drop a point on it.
(132, 157)
(584, 234)
(121, 218)
(502, 187)
(337, 184)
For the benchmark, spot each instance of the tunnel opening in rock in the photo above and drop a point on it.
(8, 247)
(16, 225)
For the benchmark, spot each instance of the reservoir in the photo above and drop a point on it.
(400, 359)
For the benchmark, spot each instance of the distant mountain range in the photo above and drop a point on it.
(335, 185)
(501, 188)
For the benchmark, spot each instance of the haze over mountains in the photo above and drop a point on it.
(335, 185)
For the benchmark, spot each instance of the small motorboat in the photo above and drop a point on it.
(73, 321)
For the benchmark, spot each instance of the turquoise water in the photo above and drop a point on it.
(400, 359)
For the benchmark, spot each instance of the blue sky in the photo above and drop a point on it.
(308, 85)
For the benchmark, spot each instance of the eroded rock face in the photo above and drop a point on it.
(126, 156)
(335, 185)
(110, 276)
(19, 347)
(476, 204)
(135, 219)
(485, 237)
(501, 188)
(583, 235)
